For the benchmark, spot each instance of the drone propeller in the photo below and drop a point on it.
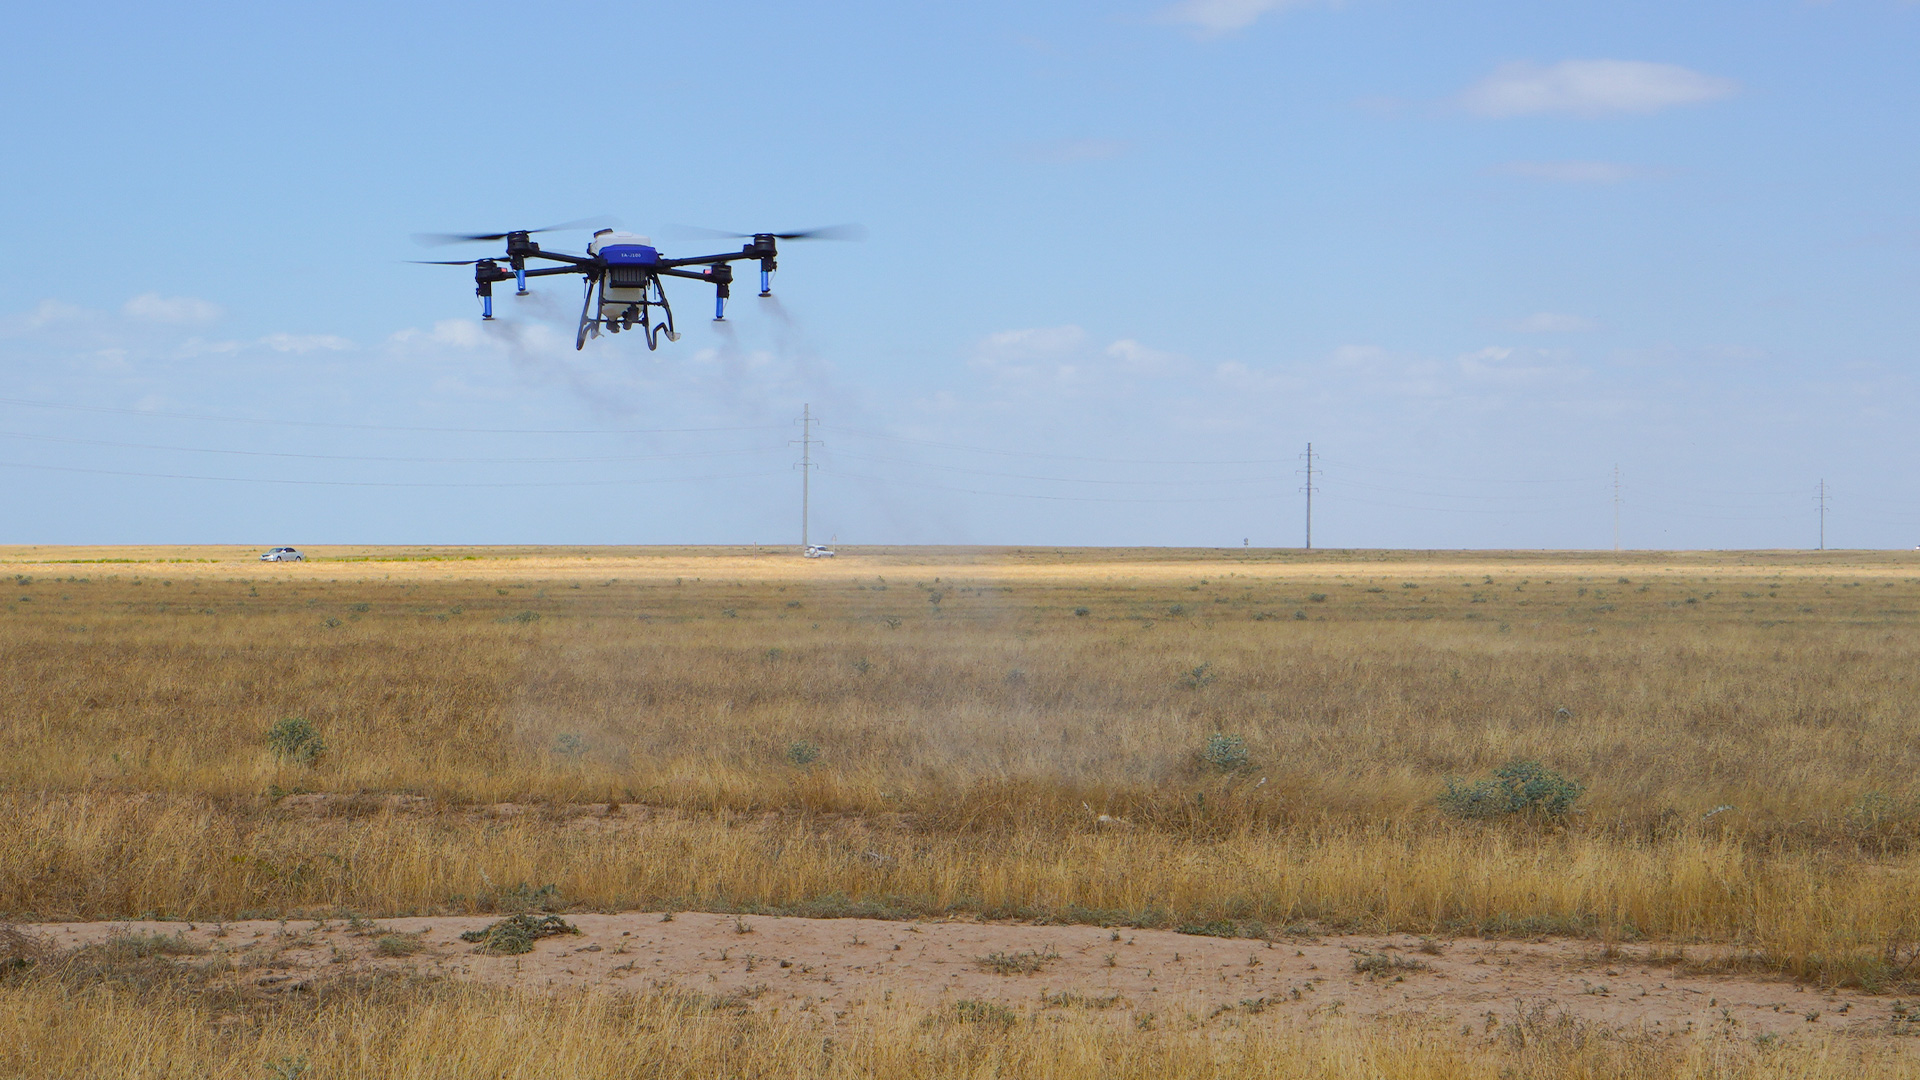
(445, 262)
(438, 239)
(827, 232)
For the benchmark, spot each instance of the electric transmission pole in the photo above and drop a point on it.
(1821, 499)
(1616, 508)
(807, 443)
(1310, 470)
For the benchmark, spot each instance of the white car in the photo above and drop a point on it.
(815, 551)
(282, 554)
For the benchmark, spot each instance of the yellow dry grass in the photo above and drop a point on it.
(404, 1031)
(976, 712)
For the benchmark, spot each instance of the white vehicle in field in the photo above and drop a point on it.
(282, 554)
(816, 551)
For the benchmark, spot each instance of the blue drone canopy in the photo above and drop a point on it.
(629, 255)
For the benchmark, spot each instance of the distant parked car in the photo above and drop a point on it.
(815, 551)
(282, 554)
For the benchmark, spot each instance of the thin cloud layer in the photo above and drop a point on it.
(1550, 322)
(1215, 18)
(152, 307)
(1573, 172)
(1592, 88)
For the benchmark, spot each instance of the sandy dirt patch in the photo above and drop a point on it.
(835, 966)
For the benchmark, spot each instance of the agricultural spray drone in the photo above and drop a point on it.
(622, 272)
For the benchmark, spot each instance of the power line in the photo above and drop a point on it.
(1028, 495)
(1309, 490)
(1339, 466)
(1003, 452)
(1822, 500)
(376, 483)
(373, 458)
(807, 443)
(1616, 507)
(373, 427)
(1054, 479)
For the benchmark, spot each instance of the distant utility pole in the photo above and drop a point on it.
(807, 443)
(1616, 507)
(1821, 499)
(1310, 470)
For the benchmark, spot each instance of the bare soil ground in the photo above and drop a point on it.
(835, 966)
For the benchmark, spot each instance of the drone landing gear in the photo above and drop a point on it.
(593, 314)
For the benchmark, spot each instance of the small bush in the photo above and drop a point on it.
(293, 739)
(1083, 612)
(20, 950)
(516, 934)
(524, 897)
(1227, 753)
(1020, 963)
(984, 1012)
(803, 753)
(400, 945)
(1516, 787)
(1377, 965)
(138, 945)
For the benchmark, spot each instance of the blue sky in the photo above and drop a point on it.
(1124, 262)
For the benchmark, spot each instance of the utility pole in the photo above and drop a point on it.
(807, 443)
(1821, 499)
(1616, 507)
(1310, 470)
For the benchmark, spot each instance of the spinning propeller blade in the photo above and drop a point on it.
(438, 239)
(443, 262)
(827, 232)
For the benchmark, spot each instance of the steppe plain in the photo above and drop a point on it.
(937, 812)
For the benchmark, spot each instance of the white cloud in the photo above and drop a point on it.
(44, 314)
(1139, 359)
(1573, 172)
(305, 343)
(1498, 363)
(1214, 18)
(1012, 348)
(152, 307)
(1070, 151)
(1592, 88)
(1549, 322)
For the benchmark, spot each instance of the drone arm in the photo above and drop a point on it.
(549, 271)
(748, 252)
(576, 260)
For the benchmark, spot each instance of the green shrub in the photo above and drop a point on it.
(984, 1012)
(516, 934)
(293, 739)
(1226, 752)
(1025, 962)
(1516, 787)
(803, 753)
(399, 945)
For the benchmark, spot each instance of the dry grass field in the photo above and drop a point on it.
(1234, 742)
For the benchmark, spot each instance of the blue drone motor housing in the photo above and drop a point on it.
(629, 255)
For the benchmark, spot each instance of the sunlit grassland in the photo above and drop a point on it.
(431, 1031)
(135, 1024)
(1745, 726)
